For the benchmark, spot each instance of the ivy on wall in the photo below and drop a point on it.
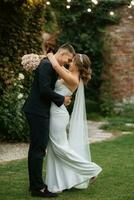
(22, 23)
(20, 33)
(85, 31)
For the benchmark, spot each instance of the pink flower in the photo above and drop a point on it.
(31, 61)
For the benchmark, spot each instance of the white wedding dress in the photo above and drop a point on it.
(68, 154)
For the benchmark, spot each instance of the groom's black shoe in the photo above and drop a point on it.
(29, 189)
(45, 193)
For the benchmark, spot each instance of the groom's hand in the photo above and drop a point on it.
(67, 100)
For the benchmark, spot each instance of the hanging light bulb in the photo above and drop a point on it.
(111, 13)
(94, 1)
(68, 6)
(68, 1)
(48, 2)
(89, 10)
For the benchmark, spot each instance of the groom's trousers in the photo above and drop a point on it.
(39, 134)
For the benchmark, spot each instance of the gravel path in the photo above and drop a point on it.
(96, 134)
(9, 151)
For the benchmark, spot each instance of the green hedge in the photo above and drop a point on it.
(20, 33)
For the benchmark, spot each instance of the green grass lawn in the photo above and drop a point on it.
(115, 123)
(119, 123)
(116, 182)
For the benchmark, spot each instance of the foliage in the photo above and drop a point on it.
(22, 22)
(119, 123)
(13, 126)
(127, 110)
(20, 33)
(124, 121)
(95, 116)
(85, 31)
(107, 104)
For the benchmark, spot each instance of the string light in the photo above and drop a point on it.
(94, 1)
(68, 6)
(48, 2)
(111, 13)
(89, 10)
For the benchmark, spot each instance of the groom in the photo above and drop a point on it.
(37, 111)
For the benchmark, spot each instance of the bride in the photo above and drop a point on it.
(68, 155)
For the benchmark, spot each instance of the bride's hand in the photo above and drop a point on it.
(50, 55)
(52, 59)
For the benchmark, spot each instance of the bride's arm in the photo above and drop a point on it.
(62, 71)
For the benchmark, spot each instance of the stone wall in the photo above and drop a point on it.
(118, 71)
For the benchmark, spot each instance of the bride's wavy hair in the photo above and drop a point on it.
(83, 63)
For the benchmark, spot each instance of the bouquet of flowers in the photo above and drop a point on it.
(31, 61)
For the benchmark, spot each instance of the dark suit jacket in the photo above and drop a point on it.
(42, 91)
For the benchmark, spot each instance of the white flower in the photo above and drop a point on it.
(20, 96)
(21, 76)
(21, 86)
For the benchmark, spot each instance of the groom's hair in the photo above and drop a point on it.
(67, 47)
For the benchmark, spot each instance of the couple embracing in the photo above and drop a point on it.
(68, 162)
